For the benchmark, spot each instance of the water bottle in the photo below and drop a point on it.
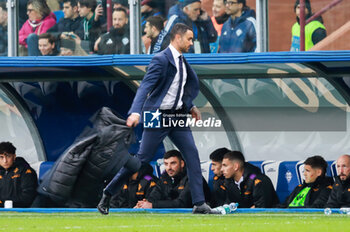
(225, 209)
(327, 211)
(345, 210)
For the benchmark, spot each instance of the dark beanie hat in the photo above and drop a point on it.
(67, 43)
(307, 5)
(188, 2)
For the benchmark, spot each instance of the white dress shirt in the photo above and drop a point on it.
(169, 98)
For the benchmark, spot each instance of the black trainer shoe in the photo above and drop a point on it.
(201, 209)
(103, 205)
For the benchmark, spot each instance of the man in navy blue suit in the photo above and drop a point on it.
(169, 86)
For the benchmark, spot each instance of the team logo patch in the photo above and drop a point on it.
(109, 41)
(15, 176)
(257, 181)
(152, 184)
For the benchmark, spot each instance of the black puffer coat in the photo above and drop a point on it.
(78, 176)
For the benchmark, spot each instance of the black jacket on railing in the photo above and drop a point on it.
(77, 178)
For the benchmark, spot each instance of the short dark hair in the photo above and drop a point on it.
(73, 3)
(317, 162)
(172, 153)
(88, 3)
(7, 147)
(3, 6)
(218, 154)
(47, 36)
(157, 21)
(121, 9)
(180, 29)
(235, 156)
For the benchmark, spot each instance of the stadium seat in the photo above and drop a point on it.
(59, 14)
(333, 168)
(300, 171)
(283, 175)
(41, 168)
(156, 169)
(257, 164)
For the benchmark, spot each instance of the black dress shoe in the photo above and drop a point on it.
(103, 205)
(201, 209)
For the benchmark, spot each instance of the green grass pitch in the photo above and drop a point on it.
(144, 222)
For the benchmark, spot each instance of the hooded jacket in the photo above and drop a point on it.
(135, 190)
(340, 194)
(239, 35)
(203, 31)
(68, 25)
(116, 41)
(316, 197)
(18, 184)
(255, 190)
(38, 27)
(174, 192)
(78, 176)
(218, 195)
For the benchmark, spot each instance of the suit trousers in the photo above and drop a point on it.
(183, 140)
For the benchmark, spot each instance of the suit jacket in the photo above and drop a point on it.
(156, 83)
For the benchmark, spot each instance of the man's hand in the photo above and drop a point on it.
(98, 12)
(204, 15)
(144, 204)
(196, 114)
(133, 120)
(97, 43)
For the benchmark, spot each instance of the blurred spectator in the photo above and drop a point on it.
(191, 15)
(149, 8)
(315, 190)
(70, 45)
(121, 3)
(218, 196)
(154, 25)
(238, 33)
(340, 194)
(219, 17)
(245, 183)
(71, 22)
(47, 45)
(136, 189)
(315, 31)
(173, 189)
(3, 29)
(117, 40)
(175, 9)
(92, 23)
(18, 181)
(40, 19)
